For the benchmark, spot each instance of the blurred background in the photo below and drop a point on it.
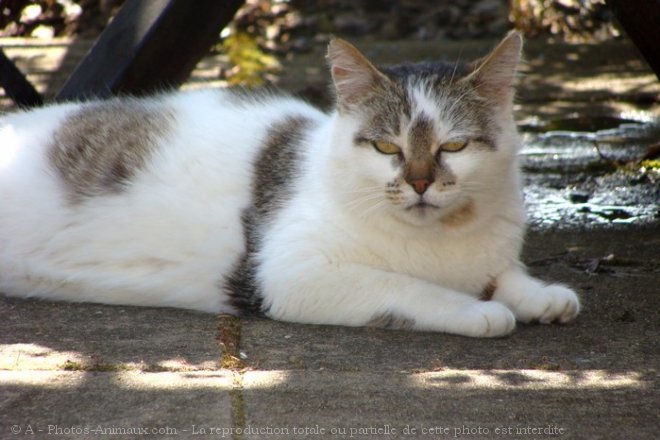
(587, 105)
(280, 24)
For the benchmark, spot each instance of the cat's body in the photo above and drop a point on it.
(402, 208)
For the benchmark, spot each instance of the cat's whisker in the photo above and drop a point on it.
(355, 203)
(457, 101)
(373, 208)
(453, 74)
(365, 190)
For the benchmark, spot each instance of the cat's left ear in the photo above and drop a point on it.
(494, 75)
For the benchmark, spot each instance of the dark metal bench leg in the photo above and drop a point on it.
(641, 21)
(149, 45)
(16, 86)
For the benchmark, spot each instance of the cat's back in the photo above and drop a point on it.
(82, 150)
(109, 198)
(64, 157)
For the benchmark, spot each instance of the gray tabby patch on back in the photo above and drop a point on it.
(276, 166)
(101, 146)
(275, 172)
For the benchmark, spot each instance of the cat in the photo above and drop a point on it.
(401, 208)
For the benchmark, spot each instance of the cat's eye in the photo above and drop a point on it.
(386, 147)
(453, 146)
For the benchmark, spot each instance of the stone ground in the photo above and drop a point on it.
(91, 371)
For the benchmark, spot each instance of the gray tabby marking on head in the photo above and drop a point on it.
(101, 147)
(458, 98)
(421, 138)
(390, 105)
(471, 98)
(365, 92)
(385, 111)
(275, 172)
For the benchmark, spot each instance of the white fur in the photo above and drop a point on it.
(344, 257)
(335, 254)
(167, 241)
(347, 261)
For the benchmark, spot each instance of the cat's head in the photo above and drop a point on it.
(424, 142)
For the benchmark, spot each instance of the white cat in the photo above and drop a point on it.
(401, 208)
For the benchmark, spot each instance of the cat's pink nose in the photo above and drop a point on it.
(420, 185)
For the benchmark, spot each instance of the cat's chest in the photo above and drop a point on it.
(467, 264)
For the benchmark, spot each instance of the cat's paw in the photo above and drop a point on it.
(546, 304)
(486, 319)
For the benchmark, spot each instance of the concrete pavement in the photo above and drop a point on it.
(86, 370)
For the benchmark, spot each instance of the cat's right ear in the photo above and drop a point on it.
(353, 75)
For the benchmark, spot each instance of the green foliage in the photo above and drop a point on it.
(251, 64)
(651, 165)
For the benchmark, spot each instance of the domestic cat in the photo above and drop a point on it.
(400, 208)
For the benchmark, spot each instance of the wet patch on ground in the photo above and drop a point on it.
(591, 172)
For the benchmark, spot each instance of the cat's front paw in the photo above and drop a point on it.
(552, 303)
(486, 319)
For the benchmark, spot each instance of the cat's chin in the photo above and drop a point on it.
(420, 214)
(423, 213)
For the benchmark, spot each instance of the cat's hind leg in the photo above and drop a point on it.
(532, 300)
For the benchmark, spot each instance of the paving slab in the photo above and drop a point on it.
(80, 405)
(88, 365)
(594, 378)
(91, 371)
(616, 273)
(38, 335)
(464, 403)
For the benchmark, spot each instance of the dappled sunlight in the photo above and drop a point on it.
(221, 379)
(180, 364)
(44, 379)
(31, 357)
(612, 83)
(35, 357)
(252, 380)
(528, 379)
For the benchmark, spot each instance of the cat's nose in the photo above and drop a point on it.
(420, 185)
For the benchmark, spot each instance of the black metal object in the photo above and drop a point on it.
(148, 46)
(641, 21)
(16, 86)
